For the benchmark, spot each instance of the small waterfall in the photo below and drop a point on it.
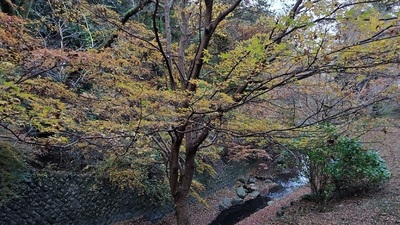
(288, 186)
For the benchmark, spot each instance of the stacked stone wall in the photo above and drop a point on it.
(49, 197)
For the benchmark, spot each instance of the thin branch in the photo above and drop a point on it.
(26, 77)
(160, 47)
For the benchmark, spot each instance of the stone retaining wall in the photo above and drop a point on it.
(68, 198)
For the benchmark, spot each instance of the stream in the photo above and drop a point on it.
(234, 214)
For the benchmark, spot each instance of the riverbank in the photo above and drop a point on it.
(269, 213)
(381, 207)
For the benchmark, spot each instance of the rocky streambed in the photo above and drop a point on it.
(255, 193)
(260, 188)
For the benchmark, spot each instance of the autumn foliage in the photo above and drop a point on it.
(168, 84)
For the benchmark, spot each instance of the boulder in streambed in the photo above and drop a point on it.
(241, 192)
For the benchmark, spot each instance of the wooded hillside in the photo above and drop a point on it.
(154, 90)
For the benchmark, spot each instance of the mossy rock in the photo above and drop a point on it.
(12, 168)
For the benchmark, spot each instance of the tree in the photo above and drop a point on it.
(115, 96)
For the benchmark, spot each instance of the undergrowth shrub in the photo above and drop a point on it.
(339, 166)
(354, 167)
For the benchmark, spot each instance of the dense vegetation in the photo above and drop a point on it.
(153, 90)
(338, 166)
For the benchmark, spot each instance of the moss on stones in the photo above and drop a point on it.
(12, 167)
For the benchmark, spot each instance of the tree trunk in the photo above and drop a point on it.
(167, 20)
(183, 190)
(182, 211)
(181, 172)
(184, 38)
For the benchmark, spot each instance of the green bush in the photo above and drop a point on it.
(354, 167)
(341, 166)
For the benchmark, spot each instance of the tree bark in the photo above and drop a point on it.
(168, 35)
(182, 211)
(185, 34)
(181, 196)
(181, 173)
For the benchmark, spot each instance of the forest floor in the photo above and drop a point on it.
(381, 207)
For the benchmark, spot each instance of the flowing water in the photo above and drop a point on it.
(237, 213)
